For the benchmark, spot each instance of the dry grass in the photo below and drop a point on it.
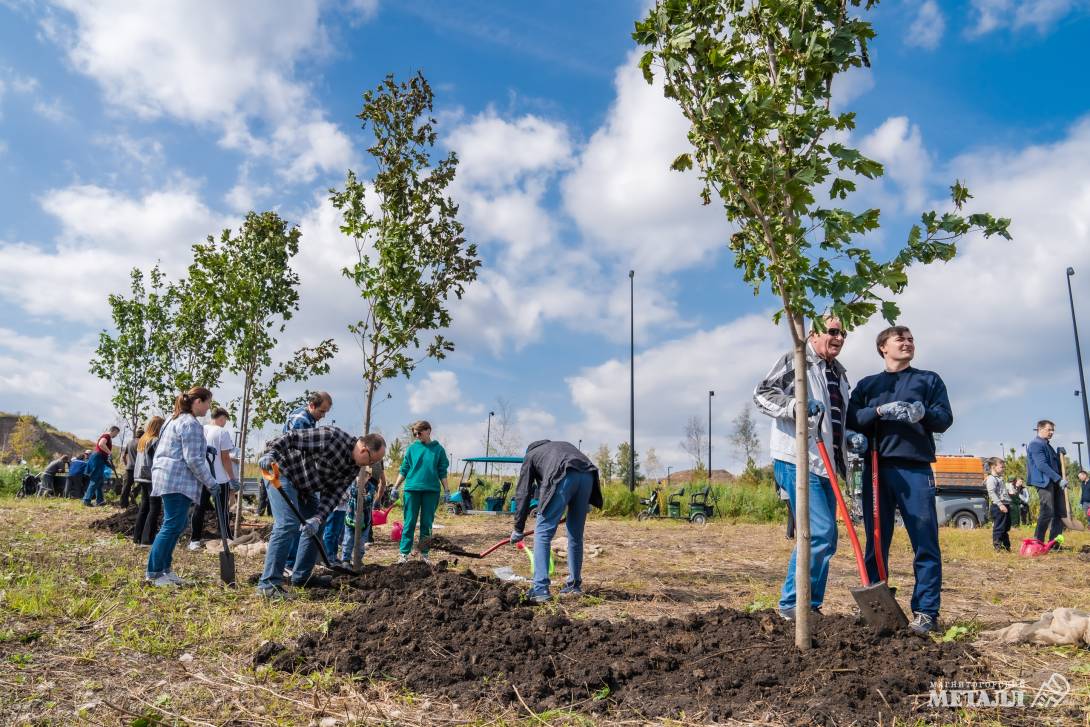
(83, 641)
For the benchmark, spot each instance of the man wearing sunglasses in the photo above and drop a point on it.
(901, 409)
(827, 387)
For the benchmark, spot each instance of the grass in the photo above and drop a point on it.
(737, 502)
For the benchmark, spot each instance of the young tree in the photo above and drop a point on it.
(695, 443)
(754, 81)
(651, 463)
(603, 460)
(246, 285)
(131, 359)
(411, 255)
(26, 437)
(744, 437)
(624, 456)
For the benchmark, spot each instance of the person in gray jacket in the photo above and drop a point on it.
(564, 480)
(1000, 500)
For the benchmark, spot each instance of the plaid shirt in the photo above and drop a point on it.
(300, 418)
(317, 460)
(180, 465)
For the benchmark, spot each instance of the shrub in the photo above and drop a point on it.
(11, 479)
(755, 503)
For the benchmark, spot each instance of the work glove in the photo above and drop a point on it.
(215, 490)
(857, 443)
(266, 462)
(311, 527)
(516, 537)
(814, 407)
(901, 411)
(235, 485)
(1063, 483)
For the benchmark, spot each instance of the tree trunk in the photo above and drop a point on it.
(802, 488)
(242, 448)
(357, 548)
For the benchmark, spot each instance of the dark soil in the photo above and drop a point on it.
(123, 522)
(438, 542)
(474, 640)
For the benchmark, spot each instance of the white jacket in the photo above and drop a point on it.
(775, 396)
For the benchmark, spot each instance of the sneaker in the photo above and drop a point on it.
(276, 593)
(425, 559)
(402, 558)
(195, 545)
(787, 614)
(164, 581)
(315, 581)
(538, 598)
(175, 578)
(571, 592)
(923, 624)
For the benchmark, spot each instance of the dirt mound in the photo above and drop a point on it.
(124, 521)
(121, 522)
(474, 640)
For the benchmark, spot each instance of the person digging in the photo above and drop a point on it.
(565, 481)
(904, 407)
(316, 467)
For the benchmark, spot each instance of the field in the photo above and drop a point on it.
(83, 641)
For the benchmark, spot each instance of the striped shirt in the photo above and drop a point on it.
(180, 465)
(837, 410)
(317, 460)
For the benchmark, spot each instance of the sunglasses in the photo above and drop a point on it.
(834, 332)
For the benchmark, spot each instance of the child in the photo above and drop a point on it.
(348, 542)
(1000, 504)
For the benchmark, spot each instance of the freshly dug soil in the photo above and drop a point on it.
(473, 639)
(124, 521)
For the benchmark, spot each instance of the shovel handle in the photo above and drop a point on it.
(844, 514)
(273, 478)
(507, 541)
(875, 509)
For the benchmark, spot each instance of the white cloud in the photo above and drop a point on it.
(437, 390)
(899, 146)
(235, 73)
(535, 421)
(850, 85)
(52, 110)
(622, 194)
(1041, 15)
(927, 26)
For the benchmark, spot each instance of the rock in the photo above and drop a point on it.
(185, 658)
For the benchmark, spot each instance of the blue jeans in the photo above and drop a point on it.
(94, 471)
(334, 530)
(912, 491)
(573, 496)
(285, 536)
(175, 516)
(823, 533)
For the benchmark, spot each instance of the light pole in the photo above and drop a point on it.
(1078, 355)
(580, 445)
(488, 441)
(668, 468)
(710, 395)
(632, 381)
(1079, 445)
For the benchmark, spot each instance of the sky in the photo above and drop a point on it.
(128, 132)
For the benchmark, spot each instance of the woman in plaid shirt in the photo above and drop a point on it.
(178, 473)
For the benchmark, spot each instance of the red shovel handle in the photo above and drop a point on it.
(507, 541)
(875, 509)
(842, 507)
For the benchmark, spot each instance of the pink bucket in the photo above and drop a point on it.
(395, 532)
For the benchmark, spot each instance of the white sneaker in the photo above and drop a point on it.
(195, 545)
(164, 581)
(403, 558)
(425, 559)
(175, 578)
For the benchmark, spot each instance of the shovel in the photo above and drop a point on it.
(227, 558)
(875, 600)
(1069, 522)
(455, 550)
(273, 478)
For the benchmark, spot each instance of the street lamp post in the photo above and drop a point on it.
(488, 441)
(632, 381)
(668, 468)
(1078, 355)
(580, 445)
(1079, 445)
(710, 395)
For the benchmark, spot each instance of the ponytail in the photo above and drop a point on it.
(183, 403)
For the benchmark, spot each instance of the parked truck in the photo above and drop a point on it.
(961, 499)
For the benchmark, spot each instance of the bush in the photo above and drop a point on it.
(11, 479)
(753, 501)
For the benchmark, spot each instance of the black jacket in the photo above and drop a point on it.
(543, 468)
(903, 441)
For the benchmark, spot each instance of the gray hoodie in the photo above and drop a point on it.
(543, 467)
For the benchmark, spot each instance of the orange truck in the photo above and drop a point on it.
(961, 499)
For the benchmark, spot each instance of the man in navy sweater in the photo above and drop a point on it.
(1044, 474)
(900, 410)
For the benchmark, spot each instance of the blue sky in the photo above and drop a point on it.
(128, 132)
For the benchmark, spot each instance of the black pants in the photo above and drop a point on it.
(263, 501)
(127, 487)
(203, 508)
(1053, 501)
(148, 516)
(790, 522)
(1001, 528)
(74, 485)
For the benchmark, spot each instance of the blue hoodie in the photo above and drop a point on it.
(911, 443)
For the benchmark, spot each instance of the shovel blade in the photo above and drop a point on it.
(879, 608)
(1071, 523)
(227, 567)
